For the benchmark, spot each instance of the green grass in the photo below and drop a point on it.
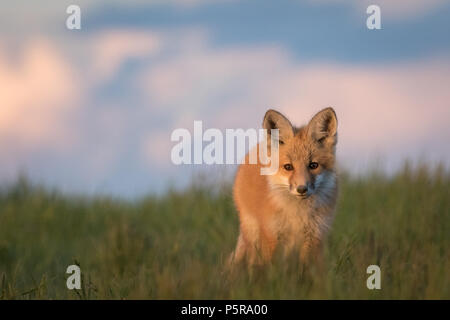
(174, 246)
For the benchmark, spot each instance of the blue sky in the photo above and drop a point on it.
(335, 31)
(91, 111)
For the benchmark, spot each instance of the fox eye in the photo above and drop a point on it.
(288, 167)
(313, 165)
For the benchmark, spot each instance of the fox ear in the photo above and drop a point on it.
(323, 127)
(275, 120)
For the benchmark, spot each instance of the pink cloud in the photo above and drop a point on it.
(38, 92)
(156, 149)
(111, 48)
(386, 109)
(197, 78)
(380, 105)
(42, 98)
(392, 110)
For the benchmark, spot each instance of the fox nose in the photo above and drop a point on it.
(302, 189)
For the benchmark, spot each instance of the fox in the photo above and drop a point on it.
(292, 209)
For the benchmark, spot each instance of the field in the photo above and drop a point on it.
(173, 246)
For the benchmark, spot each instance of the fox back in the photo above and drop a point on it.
(294, 207)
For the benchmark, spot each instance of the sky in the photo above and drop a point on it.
(92, 110)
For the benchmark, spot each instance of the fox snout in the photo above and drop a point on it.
(304, 190)
(301, 182)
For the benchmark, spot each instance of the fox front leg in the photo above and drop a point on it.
(311, 253)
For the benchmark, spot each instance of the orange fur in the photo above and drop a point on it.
(272, 210)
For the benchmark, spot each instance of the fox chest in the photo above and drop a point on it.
(295, 226)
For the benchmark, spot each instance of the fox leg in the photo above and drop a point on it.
(247, 250)
(268, 243)
(255, 252)
(239, 253)
(288, 246)
(311, 252)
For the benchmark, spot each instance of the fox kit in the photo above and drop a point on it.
(293, 208)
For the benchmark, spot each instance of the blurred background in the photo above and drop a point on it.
(91, 111)
(86, 118)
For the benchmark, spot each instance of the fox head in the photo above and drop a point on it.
(306, 155)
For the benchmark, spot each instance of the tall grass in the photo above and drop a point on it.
(174, 246)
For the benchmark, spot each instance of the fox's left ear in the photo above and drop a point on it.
(323, 127)
(275, 120)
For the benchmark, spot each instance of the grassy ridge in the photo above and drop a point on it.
(174, 246)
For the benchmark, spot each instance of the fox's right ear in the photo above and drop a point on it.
(275, 120)
(323, 127)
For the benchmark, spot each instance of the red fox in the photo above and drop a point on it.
(294, 207)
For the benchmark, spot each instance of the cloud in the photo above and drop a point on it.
(195, 78)
(49, 105)
(112, 48)
(392, 110)
(156, 149)
(51, 108)
(136, 3)
(39, 96)
(45, 14)
(39, 90)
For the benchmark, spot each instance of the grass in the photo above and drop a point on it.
(174, 246)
